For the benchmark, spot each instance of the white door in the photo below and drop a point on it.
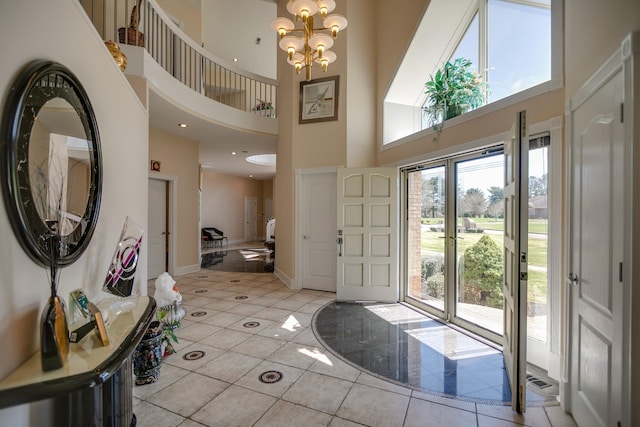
(318, 230)
(250, 219)
(157, 238)
(514, 339)
(596, 238)
(268, 211)
(367, 234)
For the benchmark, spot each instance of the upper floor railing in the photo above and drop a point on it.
(143, 23)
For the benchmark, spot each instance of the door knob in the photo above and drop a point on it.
(573, 278)
(305, 237)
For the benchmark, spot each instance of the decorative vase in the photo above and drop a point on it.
(118, 55)
(54, 335)
(147, 357)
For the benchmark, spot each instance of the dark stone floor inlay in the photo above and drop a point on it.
(202, 277)
(194, 355)
(270, 377)
(198, 313)
(251, 324)
(201, 291)
(395, 342)
(234, 281)
(242, 297)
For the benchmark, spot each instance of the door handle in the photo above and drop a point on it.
(573, 278)
(305, 237)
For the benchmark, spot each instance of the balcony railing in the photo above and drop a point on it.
(143, 23)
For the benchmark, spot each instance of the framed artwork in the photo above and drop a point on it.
(319, 100)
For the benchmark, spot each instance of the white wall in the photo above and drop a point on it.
(230, 29)
(58, 30)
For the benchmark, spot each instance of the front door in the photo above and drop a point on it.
(157, 239)
(367, 234)
(516, 215)
(596, 244)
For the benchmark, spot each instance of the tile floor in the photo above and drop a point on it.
(244, 331)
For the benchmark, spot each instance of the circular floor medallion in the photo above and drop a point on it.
(198, 313)
(202, 277)
(242, 297)
(270, 377)
(251, 324)
(194, 355)
(235, 281)
(201, 291)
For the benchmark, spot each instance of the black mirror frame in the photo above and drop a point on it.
(18, 117)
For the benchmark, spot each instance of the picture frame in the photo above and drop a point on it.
(319, 100)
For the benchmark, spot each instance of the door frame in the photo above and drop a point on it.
(296, 283)
(627, 59)
(172, 223)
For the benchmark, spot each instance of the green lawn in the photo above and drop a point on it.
(434, 241)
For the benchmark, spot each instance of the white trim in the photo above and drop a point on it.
(172, 199)
(284, 278)
(630, 55)
(179, 271)
(516, 98)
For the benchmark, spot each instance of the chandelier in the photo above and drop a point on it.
(312, 44)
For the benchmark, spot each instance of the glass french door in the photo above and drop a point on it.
(455, 223)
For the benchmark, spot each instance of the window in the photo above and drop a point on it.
(510, 42)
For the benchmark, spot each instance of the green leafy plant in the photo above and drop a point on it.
(167, 333)
(483, 264)
(454, 89)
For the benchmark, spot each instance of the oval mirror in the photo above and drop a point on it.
(51, 163)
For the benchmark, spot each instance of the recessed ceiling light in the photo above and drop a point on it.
(183, 125)
(250, 176)
(233, 153)
(235, 59)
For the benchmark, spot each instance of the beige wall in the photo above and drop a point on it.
(222, 203)
(189, 15)
(123, 127)
(593, 31)
(348, 141)
(179, 158)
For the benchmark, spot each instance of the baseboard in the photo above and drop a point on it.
(283, 278)
(179, 271)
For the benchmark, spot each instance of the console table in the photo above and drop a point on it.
(94, 387)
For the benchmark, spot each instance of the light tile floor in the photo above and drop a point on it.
(222, 388)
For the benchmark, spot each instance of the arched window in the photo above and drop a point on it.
(510, 44)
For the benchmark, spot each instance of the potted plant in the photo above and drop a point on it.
(454, 89)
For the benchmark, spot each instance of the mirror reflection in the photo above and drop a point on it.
(59, 166)
(50, 163)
